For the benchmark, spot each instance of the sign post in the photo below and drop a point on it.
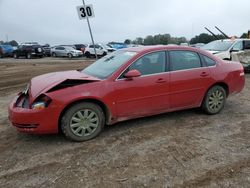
(86, 12)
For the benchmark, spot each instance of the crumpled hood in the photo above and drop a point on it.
(45, 82)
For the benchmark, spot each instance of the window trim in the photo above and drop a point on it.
(198, 54)
(204, 61)
(166, 65)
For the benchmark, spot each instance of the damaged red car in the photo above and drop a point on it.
(126, 84)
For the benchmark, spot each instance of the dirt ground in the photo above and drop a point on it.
(180, 149)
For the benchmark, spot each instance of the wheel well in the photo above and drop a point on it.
(222, 84)
(105, 109)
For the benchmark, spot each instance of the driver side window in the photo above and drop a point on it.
(152, 63)
(238, 46)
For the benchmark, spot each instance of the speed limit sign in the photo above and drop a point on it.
(85, 11)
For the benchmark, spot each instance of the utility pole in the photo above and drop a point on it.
(90, 31)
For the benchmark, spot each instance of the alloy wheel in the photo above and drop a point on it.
(84, 122)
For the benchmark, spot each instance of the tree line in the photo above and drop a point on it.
(12, 43)
(168, 39)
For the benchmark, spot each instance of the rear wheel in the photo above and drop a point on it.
(53, 54)
(87, 54)
(214, 100)
(83, 121)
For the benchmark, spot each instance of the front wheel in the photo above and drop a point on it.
(70, 55)
(214, 100)
(15, 55)
(28, 56)
(83, 121)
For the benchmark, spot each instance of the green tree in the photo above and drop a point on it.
(244, 35)
(205, 38)
(127, 41)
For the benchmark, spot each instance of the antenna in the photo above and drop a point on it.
(222, 32)
(212, 33)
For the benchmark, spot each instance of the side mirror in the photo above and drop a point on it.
(132, 74)
(234, 50)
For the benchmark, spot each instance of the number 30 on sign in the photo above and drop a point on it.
(85, 11)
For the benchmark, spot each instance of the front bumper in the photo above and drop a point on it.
(27, 120)
(77, 54)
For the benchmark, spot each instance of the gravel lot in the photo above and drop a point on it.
(180, 149)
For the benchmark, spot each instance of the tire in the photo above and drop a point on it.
(28, 56)
(104, 53)
(214, 100)
(82, 122)
(1, 56)
(87, 54)
(70, 56)
(54, 54)
(15, 56)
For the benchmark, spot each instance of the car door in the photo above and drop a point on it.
(147, 94)
(21, 50)
(98, 50)
(189, 79)
(63, 51)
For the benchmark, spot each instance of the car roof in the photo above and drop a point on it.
(158, 48)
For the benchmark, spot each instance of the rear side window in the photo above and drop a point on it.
(182, 60)
(209, 62)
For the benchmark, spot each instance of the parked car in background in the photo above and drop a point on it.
(80, 47)
(117, 45)
(29, 50)
(197, 45)
(65, 51)
(109, 48)
(100, 50)
(6, 51)
(224, 48)
(184, 44)
(47, 50)
(126, 84)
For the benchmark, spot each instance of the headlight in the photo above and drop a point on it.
(38, 105)
(41, 102)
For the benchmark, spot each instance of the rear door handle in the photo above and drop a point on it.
(160, 80)
(204, 74)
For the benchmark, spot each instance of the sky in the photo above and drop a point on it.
(56, 21)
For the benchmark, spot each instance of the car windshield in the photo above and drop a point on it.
(218, 45)
(107, 65)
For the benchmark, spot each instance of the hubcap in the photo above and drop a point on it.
(216, 100)
(84, 122)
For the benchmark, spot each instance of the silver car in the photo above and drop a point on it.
(65, 51)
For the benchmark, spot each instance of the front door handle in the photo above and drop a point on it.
(204, 74)
(160, 80)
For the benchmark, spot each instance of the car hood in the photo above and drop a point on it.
(46, 82)
(214, 52)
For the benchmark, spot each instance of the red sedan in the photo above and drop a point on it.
(129, 83)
